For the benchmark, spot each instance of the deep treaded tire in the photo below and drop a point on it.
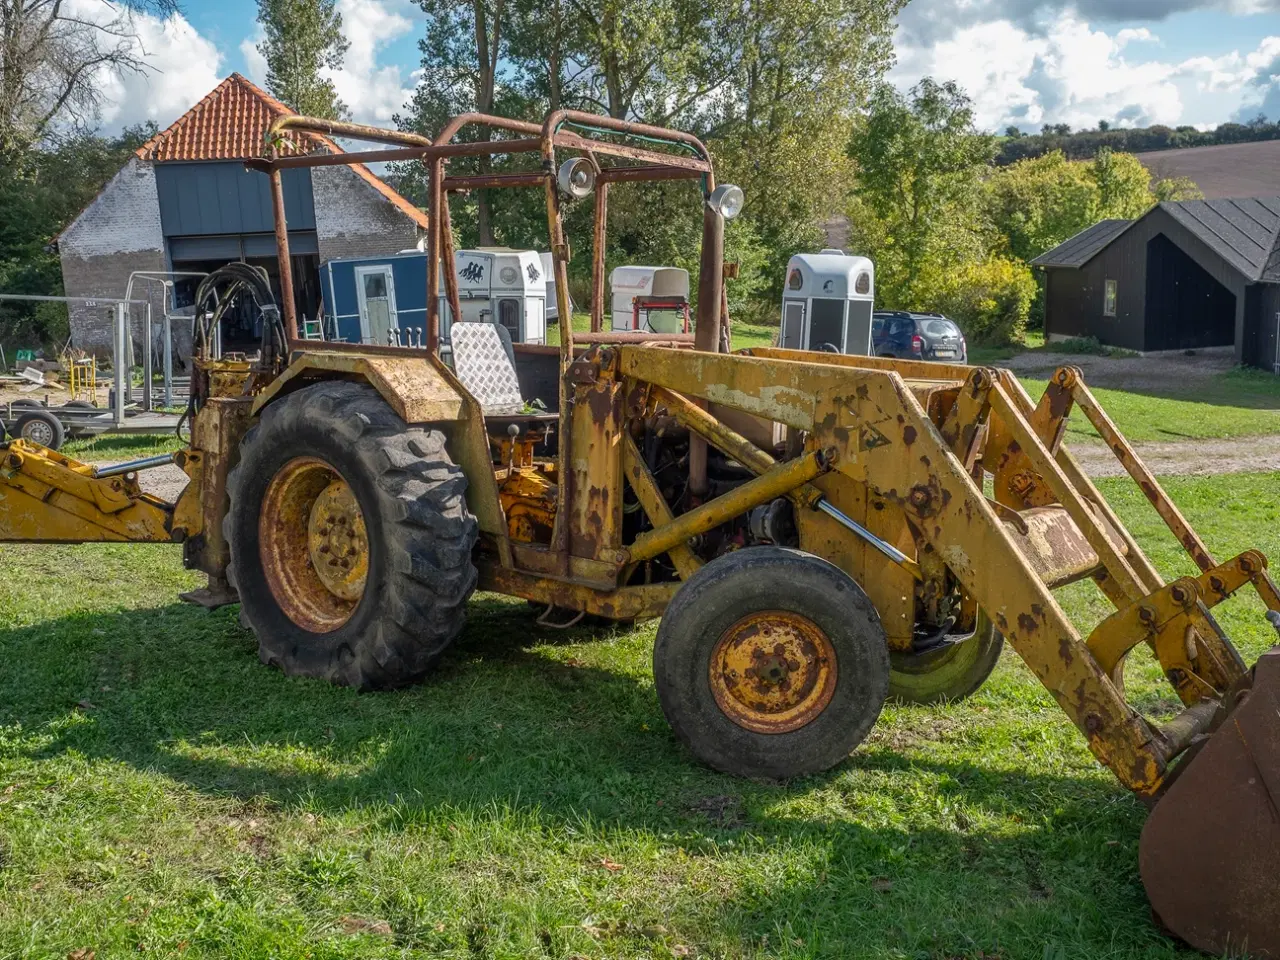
(736, 669)
(419, 537)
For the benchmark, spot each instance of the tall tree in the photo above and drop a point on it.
(302, 38)
(462, 52)
(51, 54)
(40, 192)
(779, 128)
(920, 163)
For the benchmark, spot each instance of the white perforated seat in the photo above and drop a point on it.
(482, 364)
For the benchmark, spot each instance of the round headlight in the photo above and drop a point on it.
(727, 200)
(576, 178)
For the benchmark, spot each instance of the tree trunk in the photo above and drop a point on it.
(487, 47)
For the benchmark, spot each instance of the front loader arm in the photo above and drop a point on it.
(48, 498)
(907, 451)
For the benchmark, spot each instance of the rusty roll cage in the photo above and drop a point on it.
(543, 139)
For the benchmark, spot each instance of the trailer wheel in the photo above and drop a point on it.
(39, 426)
(771, 662)
(350, 539)
(950, 672)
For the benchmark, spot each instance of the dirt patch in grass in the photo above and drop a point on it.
(1197, 459)
(1161, 374)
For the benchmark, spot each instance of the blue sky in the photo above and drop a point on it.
(1024, 62)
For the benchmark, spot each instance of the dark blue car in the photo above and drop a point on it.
(917, 336)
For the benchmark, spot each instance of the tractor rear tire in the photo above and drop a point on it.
(952, 672)
(402, 533)
(771, 662)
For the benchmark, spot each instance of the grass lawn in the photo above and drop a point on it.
(162, 792)
(1240, 403)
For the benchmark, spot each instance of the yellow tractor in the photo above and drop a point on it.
(817, 532)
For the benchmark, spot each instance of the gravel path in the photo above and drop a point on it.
(165, 482)
(1186, 458)
(1137, 374)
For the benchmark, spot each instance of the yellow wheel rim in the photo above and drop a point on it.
(313, 544)
(773, 672)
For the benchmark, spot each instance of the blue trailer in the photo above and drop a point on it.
(365, 298)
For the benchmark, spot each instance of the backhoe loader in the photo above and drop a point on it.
(817, 532)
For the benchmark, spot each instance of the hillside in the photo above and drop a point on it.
(1222, 172)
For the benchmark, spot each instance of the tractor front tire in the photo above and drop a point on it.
(350, 539)
(771, 662)
(951, 672)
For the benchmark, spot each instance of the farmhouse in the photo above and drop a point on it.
(1188, 275)
(185, 203)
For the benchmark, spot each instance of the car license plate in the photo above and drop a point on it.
(944, 353)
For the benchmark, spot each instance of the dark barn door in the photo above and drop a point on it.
(1186, 307)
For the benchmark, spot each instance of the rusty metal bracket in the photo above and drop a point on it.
(655, 507)
(775, 482)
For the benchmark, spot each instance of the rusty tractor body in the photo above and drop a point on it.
(818, 531)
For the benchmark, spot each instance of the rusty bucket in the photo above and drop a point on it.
(1210, 851)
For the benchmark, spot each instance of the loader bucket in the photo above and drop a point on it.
(1210, 851)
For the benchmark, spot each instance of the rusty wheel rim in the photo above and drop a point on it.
(773, 672)
(313, 544)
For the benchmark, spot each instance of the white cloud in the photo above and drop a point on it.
(1070, 73)
(373, 93)
(182, 66)
(255, 64)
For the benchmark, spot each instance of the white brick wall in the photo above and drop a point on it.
(118, 233)
(354, 220)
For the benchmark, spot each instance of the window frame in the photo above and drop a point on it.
(1110, 297)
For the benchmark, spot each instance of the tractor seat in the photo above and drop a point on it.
(483, 363)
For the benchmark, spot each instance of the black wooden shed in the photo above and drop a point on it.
(1188, 275)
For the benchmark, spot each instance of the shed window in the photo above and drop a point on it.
(1109, 298)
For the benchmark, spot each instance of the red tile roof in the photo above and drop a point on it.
(231, 122)
(228, 124)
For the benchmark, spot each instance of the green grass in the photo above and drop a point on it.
(162, 792)
(1240, 403)
(126, 446)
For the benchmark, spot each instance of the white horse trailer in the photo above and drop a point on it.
(650, 298)
(507, 287)
(827, 303)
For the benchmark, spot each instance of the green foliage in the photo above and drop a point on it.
(1038, 203)
(1087, 346)
(772, 86)
(40, 192)
(302, 37)
(1084, 144)
(919, 162)
(948, 233)
(989, 298)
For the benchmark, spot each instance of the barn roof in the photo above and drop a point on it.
(1080, 249)
(1244, 232)
(230, 123)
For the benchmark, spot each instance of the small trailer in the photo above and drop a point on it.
(507, 287)
(827, 303)
(380, 300)
(650, 298)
